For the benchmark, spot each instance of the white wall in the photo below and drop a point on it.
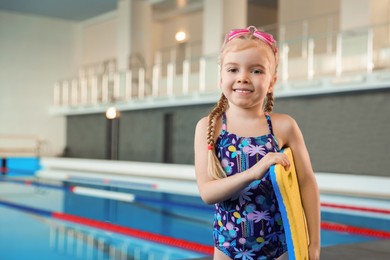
(361, 9)
(35, 52)
(99, 39)
(380, 12)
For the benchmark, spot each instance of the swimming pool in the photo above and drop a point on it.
(48, 220)
(94, 209)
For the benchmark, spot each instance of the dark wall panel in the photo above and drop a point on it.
(141, 136)
(186, 119)
(344, 132)
(86, 136)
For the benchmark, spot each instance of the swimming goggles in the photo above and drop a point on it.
(263, 36)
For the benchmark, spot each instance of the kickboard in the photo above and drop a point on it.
(287, 192)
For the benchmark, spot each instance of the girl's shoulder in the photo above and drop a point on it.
(202, 122)
(284, 127)
(283, 120)
(203, 126)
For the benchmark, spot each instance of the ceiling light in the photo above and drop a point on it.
(112, 113)
(180, 36)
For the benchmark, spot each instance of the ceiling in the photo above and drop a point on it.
(75, 10)
(79, 10)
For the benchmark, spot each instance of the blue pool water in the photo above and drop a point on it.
(25, 236)
(43, 237)
(29, 235)
(21, 166)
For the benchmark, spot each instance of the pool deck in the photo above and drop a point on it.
(379, 249)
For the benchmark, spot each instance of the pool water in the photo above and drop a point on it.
(29, 228)
(26, 236)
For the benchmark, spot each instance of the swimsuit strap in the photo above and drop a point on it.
(268, 117)
(223, 123)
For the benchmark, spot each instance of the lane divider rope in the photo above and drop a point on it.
(356, 208)
(355, 230)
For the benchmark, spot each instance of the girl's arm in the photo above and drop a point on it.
(307, 182)
(214, 191)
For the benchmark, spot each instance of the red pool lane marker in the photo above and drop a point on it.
(3, 169)
(136, 233)
(357, 208)
(354, 230)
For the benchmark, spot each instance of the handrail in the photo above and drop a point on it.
(298, 21)
(316, 56)
(20, 145)
(280, 29)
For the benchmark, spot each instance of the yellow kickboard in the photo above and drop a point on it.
(286, 188)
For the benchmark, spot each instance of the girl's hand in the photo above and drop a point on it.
(267, 161)
(314, 252)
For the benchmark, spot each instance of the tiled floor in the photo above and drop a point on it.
(378, 250)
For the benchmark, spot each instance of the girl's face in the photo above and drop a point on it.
(247, 75)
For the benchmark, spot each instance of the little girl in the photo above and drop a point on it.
(235, 147)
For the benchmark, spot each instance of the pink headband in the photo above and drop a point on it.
(263, 36)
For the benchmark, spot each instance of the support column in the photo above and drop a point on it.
(212, 26)
(235, 14)
(142, 37)
(135, 31)
(220, 16)
(124, 33)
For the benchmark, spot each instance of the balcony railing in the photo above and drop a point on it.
(313, 64)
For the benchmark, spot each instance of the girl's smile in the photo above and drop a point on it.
(243, 90)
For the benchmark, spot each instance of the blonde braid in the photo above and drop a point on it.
(214, 167)
(269, 103)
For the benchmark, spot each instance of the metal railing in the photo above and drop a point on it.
(21, 145)
(313, 56)
(300, 30)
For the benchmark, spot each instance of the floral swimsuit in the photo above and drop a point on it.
(249, 225)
